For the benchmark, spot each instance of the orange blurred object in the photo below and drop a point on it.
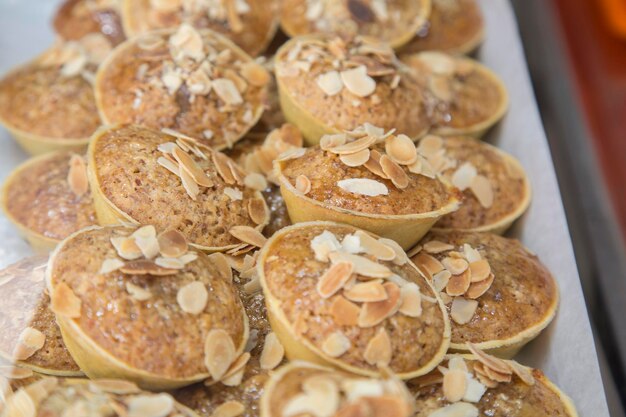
(615, 14)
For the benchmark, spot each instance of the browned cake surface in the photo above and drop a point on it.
(325, 169)
(39, 100)
(292, 272)
(353, 17)
(130, 177)
(40, 198)
(156, 335)
(507, 182)
(400, 108)
(131, 89)
(512, 399)
(77, 18)
(26, 304)
(523, 292)
(257, 24)
(451, 25)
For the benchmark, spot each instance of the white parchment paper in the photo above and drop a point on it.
(565, 351)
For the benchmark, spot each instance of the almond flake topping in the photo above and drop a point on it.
(458, 284)
(334, 279)
(138, 293)
(376, 312)
(523, 372)
(454, 385)
(378, 350)
(64, 302)
(114, 386)
(477, 289)
(150, 405)
(248, 235)
(358, 82)
(303, 184)
(193, 297)
(255, 74)
(370, 291)
(356, 159)
(363, 186)
(344, 312)
(273, 352)
(401, 149)
(29, 342)
(219, 353)
(229, 409)
(110, 265)
(456, 266)
(227, 91)
(336, 344)
(362, 265)
(411, 300)
(394, 171)
(233, 193)
(435, 246)
(482, 190)
(460, 409)
(330, 83)
(187, 163)
(462, 310)
(489, 361)
(255, 181)
(77, 176)
(258, 211)
(464, 176)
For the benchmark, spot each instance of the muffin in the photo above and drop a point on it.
(394, 22)
(367, 178)
(251, 24)
(306, 389)
(72, 397)
(499, 295)
(78, 18)
(48, 104)
(328, 84)
(30, 337)
(480, 384)
(169, 180)
(496, 190)
(465, 97)
(195, 82)
(137, 305)
(454, 26)
(338, 296)
(47, 198)
(242, 390)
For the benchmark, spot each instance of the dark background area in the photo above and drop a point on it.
(577, 59)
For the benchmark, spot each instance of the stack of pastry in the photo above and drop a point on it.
(232, 223)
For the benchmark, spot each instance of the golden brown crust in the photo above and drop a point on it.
(39, 197)
(253, 30)
(26, 304)
(125, 163)
(150, 88)
(154, 335)
(77, 18)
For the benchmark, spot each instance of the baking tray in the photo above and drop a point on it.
(565, 350)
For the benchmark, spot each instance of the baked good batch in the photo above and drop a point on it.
(48, 198)
(251, 24)
(392, 21)
(195, 82)
(314, 232)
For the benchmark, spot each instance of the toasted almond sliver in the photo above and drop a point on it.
(356, 159)
(303, 184)
(234, 375)
(146, 267)
(411, 300)
(428, 264)
(172, 244)
(378, 350)
(227, 91)
(480, 270)
(394, 171)
(229, 409)
(456, 266)
(223, 266)
(373, 164)
(458, 284)
(77, 176)
(126, 248)
(258, 211)
(187, 163)
(401, 257)
(358, 82)
(334, 279)
(376, 312)
(363, 186)
(330, 83)
(114, 386)
(464, 176)
(336, 344)
(328, 142)
(169, 263)
(354, 146)
(29, 342)
(255, 181)
(362, 266)
(366, 292)
(471, 254)
(64, 302)
(248, 235)
(193, 297)
(233, 193)
(138, 293)
(255, 74)
(150, 405)
(375, 247)
(436, 246)
(454, 385)
(401, 149)
(462, 310)
(189, 184)
(482, 190)
(219, 353)
(110, 265)
(430, 145)
(222, 166)
(273, 352)
(498, 376)
(460, 409)
(169, 165)
(344, 312)
(477, 289)
(441, 279)
(524, 373)
(488, 360)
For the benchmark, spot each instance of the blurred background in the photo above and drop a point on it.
(576, 50)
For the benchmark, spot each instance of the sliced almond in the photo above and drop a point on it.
(330, 83)
(334, 279)
(336, 344)
(303, 184)
(229, 409)
(64, 302)
(362, 265)
(110, 265)
(189, 184)
(248, 235)
(454, 385)
(227, 91)
(524, 373)
(436, 246)
(363, 186)
(428, 264)
(441, 279)
(430, 145)
(355, 159)
(464, 176)
(462, 310)
(172, 244)
(258, 211)
(114, 386)
(480, 270)
(193, 297)
(482, 190)
(169, 165)
(223, 266)
(328, 142)
(401, 149)
(273, 352)
(378, 350)
(255, 74)
(233, 193)
(146, 267)
(29, 342)
(477, 289)
(358, 82)
(77, 176)
(401, 257)
(126, 248)
(411, 300)
(138, 293)
(344, 312)
(486, 381)
(324, 244)
(456, 266)
(460, 409)
(219, 353)
(458, 284)
(193, 169)
(471, 254)
(373, 164)
(150, 405)
(394, 171)
(169, 263)
(376, 312)
(354, 146)
(222, 166)
(488, 360)
(375, 247)
(255, 181)
(234, 375)
(366, 292)
(498, 376)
